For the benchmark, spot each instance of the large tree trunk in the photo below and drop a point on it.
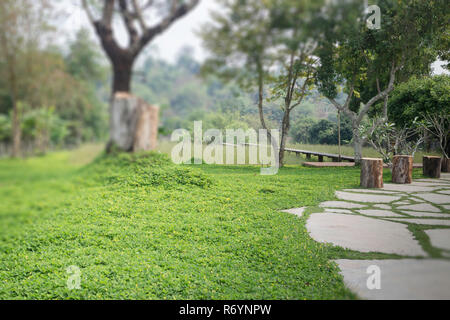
(122, 69)
(133, 124)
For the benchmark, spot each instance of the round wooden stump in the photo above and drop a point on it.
(133, 123)
(371, 173)
(445, 164)
(432, 167)
(402, 167)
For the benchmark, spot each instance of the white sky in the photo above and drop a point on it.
(179, 35)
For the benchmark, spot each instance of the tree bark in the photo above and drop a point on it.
(284, 133)
(432, 167)
(402, 167)
(371, 173)
(445, 164)
(357, 145)
(122, 69)
(133, 124)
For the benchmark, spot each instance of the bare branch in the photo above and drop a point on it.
(88, 12)
(176, 12)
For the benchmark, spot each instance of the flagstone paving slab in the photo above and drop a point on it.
(379, 213)
(400, 203)
(440, 238)
(426, 214)
(365, 197)
(383, 206)
(420, 207)
(435, 198)
(371, 191)
(400, 279)
(428, 222)
(407, 188)
(340, 204)
(297, 211)
(377, 228)
(363, 234)
(338, 211)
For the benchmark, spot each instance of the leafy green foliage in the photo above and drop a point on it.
(418, 96)
(225, 239)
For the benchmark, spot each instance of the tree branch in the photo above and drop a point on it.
(176, 12)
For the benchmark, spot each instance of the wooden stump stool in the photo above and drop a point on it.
(432, 167)
(402, 167)
(445, 164)
(371, 173)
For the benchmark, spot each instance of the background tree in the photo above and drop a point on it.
(23, 26)
(240, 40)
(257, 36)
(360, 58)
(135, 15)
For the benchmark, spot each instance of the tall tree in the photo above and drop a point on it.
(367, 61)
(257, 37)
(135, 15)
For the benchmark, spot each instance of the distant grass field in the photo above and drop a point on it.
(139, 227)
(292, 159)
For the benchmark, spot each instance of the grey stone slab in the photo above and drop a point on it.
(383, 206)
(296, 211)
(436, 183)
(405, 279)
(338, 211)
(440, 238)
(363, 234)
(444, 191)
(435, 198)
(366, 197)
(420, 207)
(447, 207)
(340, 204)
(428, 222)
(371, 191)
(401, 203)
(379, 213)
(426, 214)
(407, 188)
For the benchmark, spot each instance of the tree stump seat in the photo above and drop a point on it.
(402, 167)
(432, 166)
(371, 173)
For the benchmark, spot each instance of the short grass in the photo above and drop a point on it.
(140, 227)
(349, 151)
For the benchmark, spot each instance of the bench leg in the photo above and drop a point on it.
(320, 158)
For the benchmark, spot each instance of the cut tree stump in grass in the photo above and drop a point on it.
(445, 165)
(371, 173)
(134, 123)
(432, 167)
(402, 167)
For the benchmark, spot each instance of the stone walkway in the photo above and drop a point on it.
(410, 224)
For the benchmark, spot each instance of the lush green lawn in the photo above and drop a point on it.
(142, 228)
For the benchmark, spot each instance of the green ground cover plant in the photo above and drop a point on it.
(140, 227)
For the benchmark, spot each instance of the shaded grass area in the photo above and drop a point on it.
(142, 228)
